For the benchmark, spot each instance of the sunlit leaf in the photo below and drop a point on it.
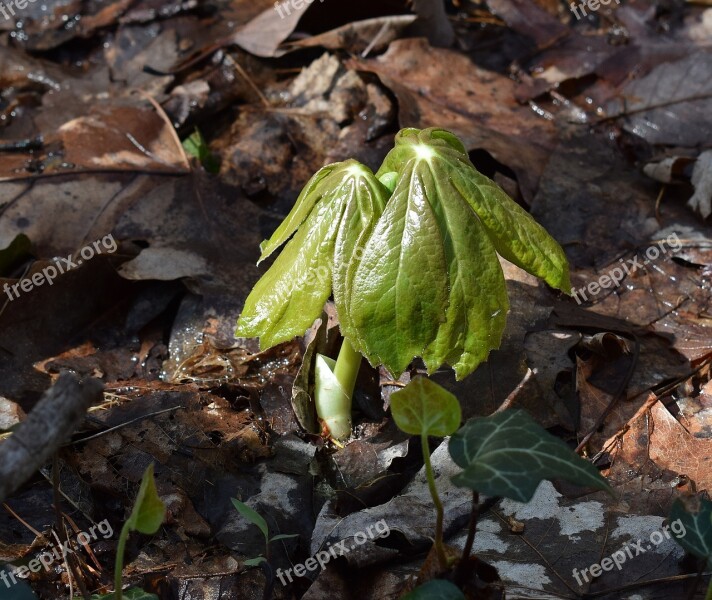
(424, 407)
(693, 528)
(335, 208)
(509, 454)
(148, 511)
(430, 283)
(252, 516)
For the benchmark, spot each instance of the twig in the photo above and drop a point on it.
(509, 400)
(54, 419)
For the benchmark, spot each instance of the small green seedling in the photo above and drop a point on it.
(146, 517)
(696, 534)
(424, 408)
(504, 455)
(410, 255)
(263, 560)
(195, 145)
(255, 518)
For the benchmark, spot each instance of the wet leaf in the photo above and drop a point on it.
(509, 455)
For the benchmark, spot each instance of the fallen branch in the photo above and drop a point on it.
(46, 428)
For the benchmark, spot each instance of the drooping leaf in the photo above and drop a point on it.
(424, 407)
(148, 511)
(515, 234)
(336, 206)
(430, 283)
(509, 455)
(252, 516)
(693, 528)
(437, 589)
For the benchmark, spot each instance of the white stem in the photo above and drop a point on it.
(333, 404)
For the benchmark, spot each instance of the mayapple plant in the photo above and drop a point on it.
(410, 256)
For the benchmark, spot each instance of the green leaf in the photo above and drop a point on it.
(196, 146)
(424, 407)
(255, 562)
(430, 283)
(693, 528)
(509, 454)
(335, 207)
(148, 511)
(515, 234)
(283, 536)
(252, 516)
(437, 589)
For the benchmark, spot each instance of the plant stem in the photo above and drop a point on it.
(334, 388)
(474, 516)
(439, 547)
(119, 565)
(347, 365)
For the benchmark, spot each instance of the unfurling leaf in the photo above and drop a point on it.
(425, 408)
(509, 454)
(148, 511)
(335, 210)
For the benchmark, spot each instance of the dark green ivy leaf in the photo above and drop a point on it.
(509, 455)
(693, 528)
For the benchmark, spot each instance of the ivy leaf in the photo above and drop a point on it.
(696, 523)
(437, 589)
(148, 511)
(430, 283)
(509, 455)
(252, 516)
(425, 408)
(334, 208)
